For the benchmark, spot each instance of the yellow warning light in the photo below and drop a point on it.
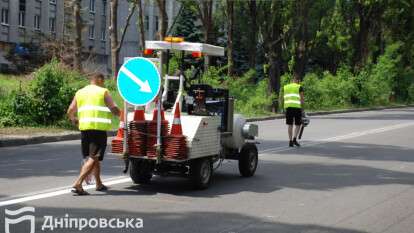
(172, 39)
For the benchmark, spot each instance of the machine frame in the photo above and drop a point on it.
(209, 142)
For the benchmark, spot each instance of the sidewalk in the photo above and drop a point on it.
(17, 140)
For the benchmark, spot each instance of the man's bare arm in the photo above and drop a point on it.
(302, 99)
(71, 112)
(111, 104)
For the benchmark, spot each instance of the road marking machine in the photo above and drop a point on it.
(192, 139)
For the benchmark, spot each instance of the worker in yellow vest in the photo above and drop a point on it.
(293, 104)
(94, 107)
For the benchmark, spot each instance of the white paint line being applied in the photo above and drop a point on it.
(124, 179)
(27, 198)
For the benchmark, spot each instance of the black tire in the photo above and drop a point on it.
(140, 171)
(248, 160)
(201, 171)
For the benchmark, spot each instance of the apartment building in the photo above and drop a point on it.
(31, 21)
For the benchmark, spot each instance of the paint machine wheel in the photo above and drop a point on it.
(248, 160)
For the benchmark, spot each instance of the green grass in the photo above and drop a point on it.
(9, 83)
(7, 131)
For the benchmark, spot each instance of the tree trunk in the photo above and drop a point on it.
(113, 30)
(274, 78)
(230, 19)
(163, 23)
(141, 26)
(302, 40)
(77, 59)
(361, 46)
(115, 44)
(252, 34)
(205, 11)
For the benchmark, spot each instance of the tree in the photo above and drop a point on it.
(271, 31)
(163, 23)
(185, 25)
(77, 58)
(301, 37)
(368, 13)
(230, 19)
(252, 33)
(113, 30)
(205, 13)
(141, 26)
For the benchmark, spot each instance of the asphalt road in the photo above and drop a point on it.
(354, 174)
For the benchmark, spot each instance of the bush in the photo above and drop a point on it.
(411, 93)
(250, 99)
(46, 100)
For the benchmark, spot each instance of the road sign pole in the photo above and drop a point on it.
(125, 143)
(159, 106)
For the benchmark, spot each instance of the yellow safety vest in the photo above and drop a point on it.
(93, 114)
(291, 96)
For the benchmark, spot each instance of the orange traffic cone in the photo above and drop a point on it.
(120, 133)
(139, 115)
(155, 113)
(176, 128)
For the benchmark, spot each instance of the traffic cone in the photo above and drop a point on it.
(176, 128)
(120, 133)
(155, 113)
(116, 143)
(139, 115)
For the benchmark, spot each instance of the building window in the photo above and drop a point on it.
(52, 25)
(5, 16)
(103, 34)
(91, 32)
(21, 18)
(156, 23)
(52, 1)
(104, 7)
(37, 22)
(146, 23)
(92, 6)
(22, 12)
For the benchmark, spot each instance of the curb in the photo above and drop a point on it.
(43, 139)
(76, 135)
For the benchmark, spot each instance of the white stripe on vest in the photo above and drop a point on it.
(291, 95)
(92, 108)
(292, 102)
(95, 119)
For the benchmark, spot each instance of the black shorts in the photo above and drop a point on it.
(293, 114)
(93, 143)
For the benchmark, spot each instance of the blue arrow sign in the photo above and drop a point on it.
(138, 81)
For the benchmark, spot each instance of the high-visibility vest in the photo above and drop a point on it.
(93, 114)
(291, 96)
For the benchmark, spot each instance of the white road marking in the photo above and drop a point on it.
(343, 137)
(59, 192)
(120, 180)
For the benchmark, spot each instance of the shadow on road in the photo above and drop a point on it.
(272, 176)
(180, 222)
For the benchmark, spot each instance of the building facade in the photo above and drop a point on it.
(31, 21)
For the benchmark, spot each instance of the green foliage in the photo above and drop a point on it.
(377, 84)
(46, 100)
(411, 93)
(185, 24)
